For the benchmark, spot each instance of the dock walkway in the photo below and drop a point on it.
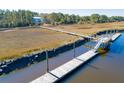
(67, 32)
(68, 67)
(114, 37)
(63, 70)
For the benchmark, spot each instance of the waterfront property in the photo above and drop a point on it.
(24, 55)
(60, 72)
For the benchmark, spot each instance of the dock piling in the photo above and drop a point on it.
(74, 49)
(47, 61)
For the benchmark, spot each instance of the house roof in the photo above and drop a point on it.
(37, 17)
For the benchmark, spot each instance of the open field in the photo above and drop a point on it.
(90, 28)
(15, 43)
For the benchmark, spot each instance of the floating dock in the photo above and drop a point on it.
(63, 70)
(115, 36)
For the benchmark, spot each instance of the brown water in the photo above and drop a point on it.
(107, 68)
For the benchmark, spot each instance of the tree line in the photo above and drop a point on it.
(14, 18)
(60, 18)
(20, 18)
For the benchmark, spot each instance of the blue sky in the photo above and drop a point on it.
(83, 12)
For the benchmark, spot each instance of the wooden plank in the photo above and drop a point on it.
(66, 68)
(115, 36)
(88, 55)
(46, 78)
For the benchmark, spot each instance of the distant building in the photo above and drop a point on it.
(37, 20)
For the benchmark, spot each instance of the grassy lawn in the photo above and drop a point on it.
(15, 43)
(90, 28)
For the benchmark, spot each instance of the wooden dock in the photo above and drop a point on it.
(61, 71)
(67, 32)
(115, 36)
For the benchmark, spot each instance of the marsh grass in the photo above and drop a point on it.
(20, 42)
(90, 28)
